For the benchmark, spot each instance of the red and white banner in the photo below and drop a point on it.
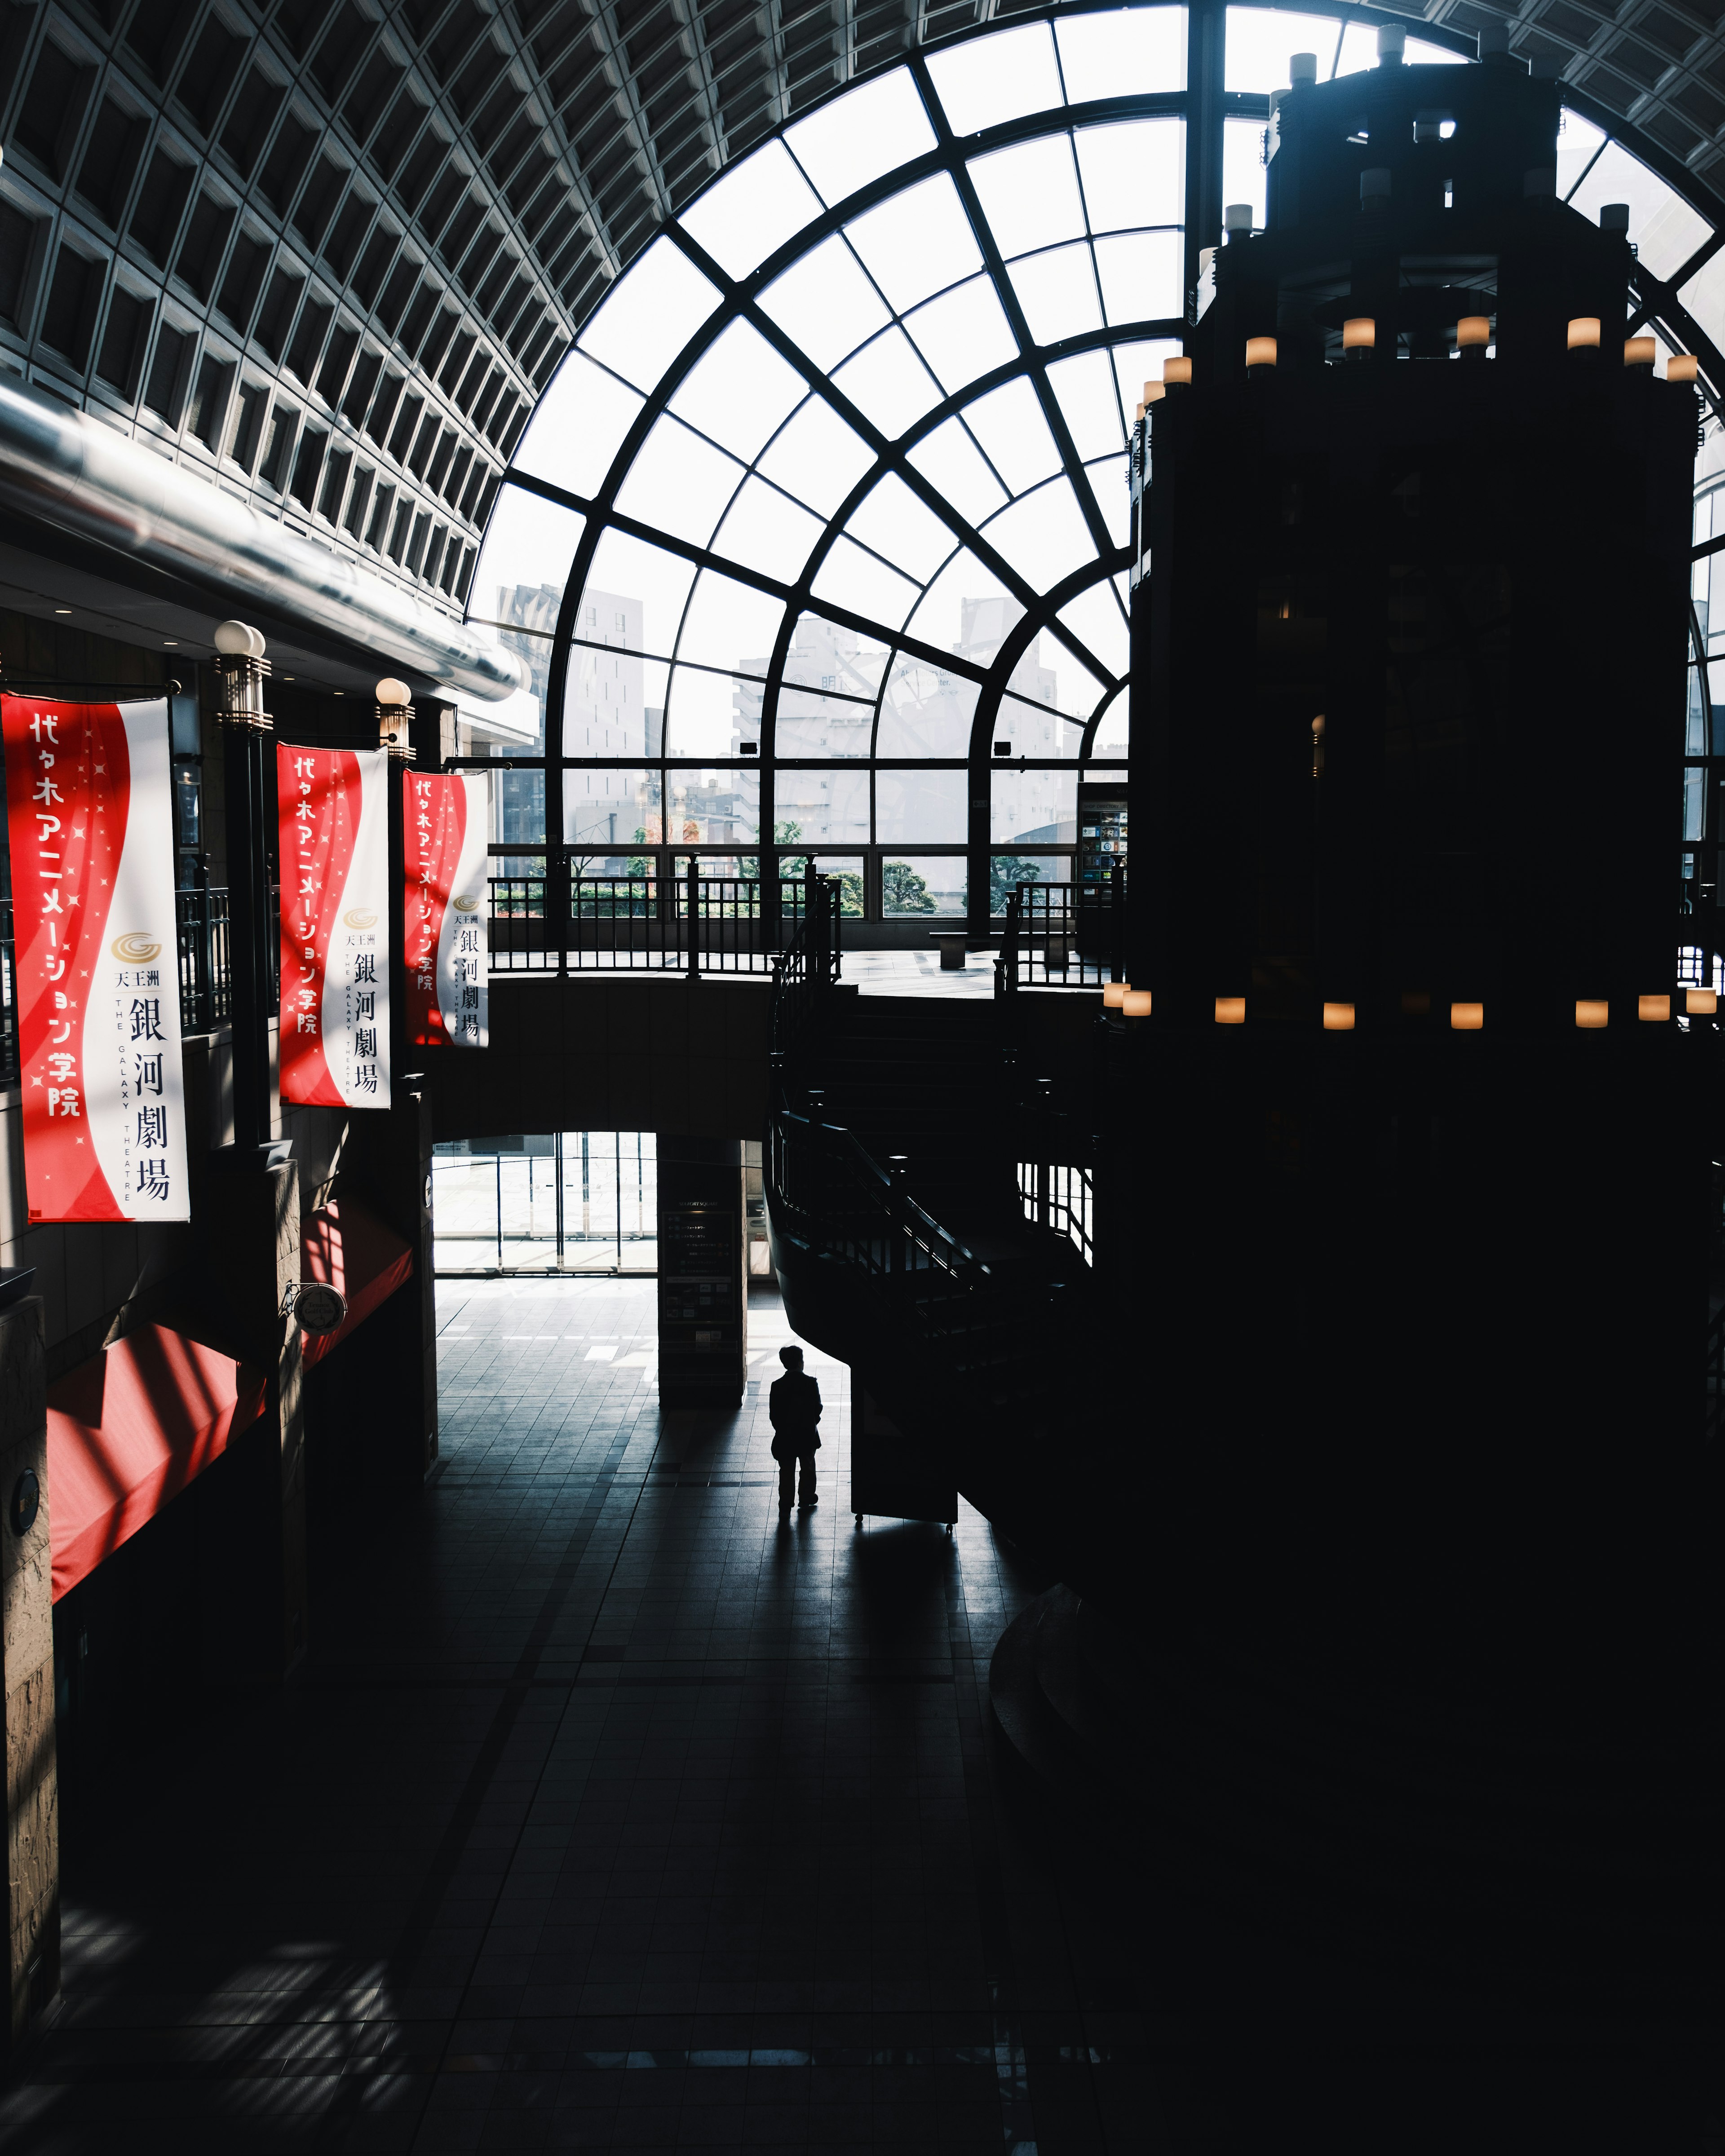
(446, 908)
(90, 821)
(333, 812)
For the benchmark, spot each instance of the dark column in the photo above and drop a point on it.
(703, 1288)
(1205, 56)
(32, 1848)
(251, 932)
(254, 1225)
(394, 1427)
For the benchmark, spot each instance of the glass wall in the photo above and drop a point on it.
(819, 534)
(567, 1201)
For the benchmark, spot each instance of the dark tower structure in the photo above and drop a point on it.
(1416, 1128)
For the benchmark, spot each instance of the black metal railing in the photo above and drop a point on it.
(1056, 1195)
(561, 920)
(1063, 936)
(206, 972)
(808, 966)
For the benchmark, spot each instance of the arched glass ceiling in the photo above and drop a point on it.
(818, 536)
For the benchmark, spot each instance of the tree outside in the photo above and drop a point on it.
(1005, 871)
(904, 891)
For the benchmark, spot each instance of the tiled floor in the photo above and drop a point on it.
(611, 1815)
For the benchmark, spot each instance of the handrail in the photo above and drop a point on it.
(1063, 934)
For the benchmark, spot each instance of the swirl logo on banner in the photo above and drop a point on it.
(333, 814)
(446, 908)
(90, 823)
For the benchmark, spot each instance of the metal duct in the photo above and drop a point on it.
(80, 476)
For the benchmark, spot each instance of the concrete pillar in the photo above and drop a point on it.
(703, 1287)
(33, 1842)
(255, 1221)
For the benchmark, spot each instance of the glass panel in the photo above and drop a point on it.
(1141, 274)
(896, 524)
(1043, 535)
(534, 653)
(1033, 808)
(1578, 140)
(1007, 870)
(1058, 292)
(647, 577)
(926, 710)
(1243, 177)
(1030, 194)
(963, 334)
(528, 552)
(1134, 173)
(1076, 690)
(713, 808)
(1094, 618)
(922, 808)
(1704, 296)
(1110, 482)
(765, 531)
(1034, 729)
(613, 701)
(825, 726)
(847, 867)
(861, 584)
(1359, 50)
(967, 610)
(888, 383)
(751, 209)
(1138, 362)
(1113, 729)
(730, 624)
(708, 714)
(931, 884)
(577, 426)
(1084, 389)
(741, 391)
(610, 811)
(1127, 50)
(916, 243)
(1008, 423)
(1422, 53)
(817, 457)
(826, 303)
(826, 657)
(951, 460)
(990, 80)
(1661, 224)
(1261, 40)
(822, 808)
(679, 482)
(651, 314)
(859, 136)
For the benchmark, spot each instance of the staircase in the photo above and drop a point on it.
(900, 1240)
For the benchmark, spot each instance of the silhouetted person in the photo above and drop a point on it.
(794, 1405)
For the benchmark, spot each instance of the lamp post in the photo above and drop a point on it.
(241, 671)
(395, 719)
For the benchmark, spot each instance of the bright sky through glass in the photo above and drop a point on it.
(883, 502)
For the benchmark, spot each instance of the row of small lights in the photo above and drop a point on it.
(1473, 333)
(1591, 1015)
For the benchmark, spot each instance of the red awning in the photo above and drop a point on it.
(127, 1430)
(346, 1247)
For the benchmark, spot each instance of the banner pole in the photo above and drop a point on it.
(242, 669)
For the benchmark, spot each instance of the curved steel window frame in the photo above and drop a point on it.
(1204, 106)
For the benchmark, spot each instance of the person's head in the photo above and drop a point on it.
(792, 1358)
